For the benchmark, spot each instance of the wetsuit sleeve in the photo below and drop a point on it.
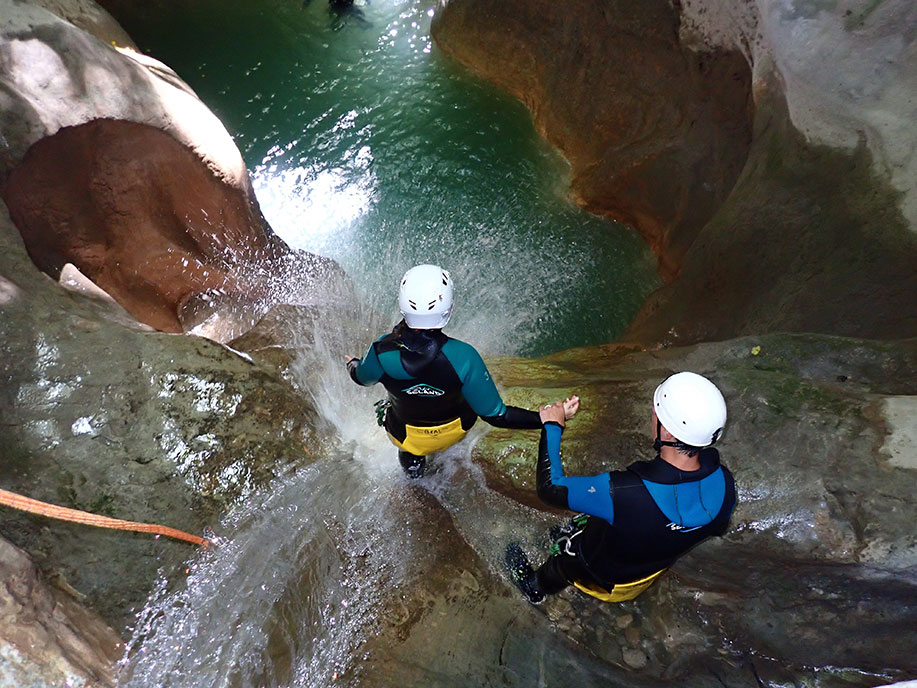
(368, 371)
(478, 388)
(517, 418)
(586, 494)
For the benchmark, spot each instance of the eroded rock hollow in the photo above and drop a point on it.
(656, 134)
(143, 217)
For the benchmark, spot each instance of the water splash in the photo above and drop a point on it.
(307, 566)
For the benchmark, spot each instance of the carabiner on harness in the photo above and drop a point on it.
(566, 541)
(382, 406)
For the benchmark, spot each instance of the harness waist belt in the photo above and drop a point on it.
(621, 592)
(423, 440)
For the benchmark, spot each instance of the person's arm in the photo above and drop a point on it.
(481, 393)
(586, 494)
(367, 371)
(516, 418)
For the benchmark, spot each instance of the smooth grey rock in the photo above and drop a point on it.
(848, 71)
(46, 637)
(57, 75)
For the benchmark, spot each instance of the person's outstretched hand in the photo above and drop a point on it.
(571, 406)
(553, 413)
(350, 358)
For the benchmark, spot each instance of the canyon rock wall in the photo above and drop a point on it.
(655, 134)
(816, 231)
(847, 72)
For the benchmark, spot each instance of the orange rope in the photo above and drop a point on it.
(33, 506)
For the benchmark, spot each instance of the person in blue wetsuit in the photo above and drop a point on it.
(633, 523)
(437, 386)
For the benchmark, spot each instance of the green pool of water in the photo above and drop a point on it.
(368, 145)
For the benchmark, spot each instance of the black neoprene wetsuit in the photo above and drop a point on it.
(432, 379)
(638, 521)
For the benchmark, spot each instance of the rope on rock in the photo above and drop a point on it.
(33, 506)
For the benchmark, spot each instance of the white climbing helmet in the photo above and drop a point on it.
(691, 408)
(426, 297)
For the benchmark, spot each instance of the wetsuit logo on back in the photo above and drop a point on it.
(681, 529)
(424, 390)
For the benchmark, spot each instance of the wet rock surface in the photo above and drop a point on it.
(484, 629)
(817, 569)
(143, 426)
(46, 637)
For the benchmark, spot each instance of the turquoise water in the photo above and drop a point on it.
(368, 145)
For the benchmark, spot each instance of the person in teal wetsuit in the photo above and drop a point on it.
(634, 523)
(437, 386)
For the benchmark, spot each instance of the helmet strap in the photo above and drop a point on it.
(659, 443)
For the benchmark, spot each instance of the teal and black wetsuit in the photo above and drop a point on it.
(637, 521)
(433, 379)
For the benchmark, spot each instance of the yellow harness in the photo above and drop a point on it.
(421, 440)
(620, 592)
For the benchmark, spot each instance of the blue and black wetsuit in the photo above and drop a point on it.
(434, 381)
(635, 522)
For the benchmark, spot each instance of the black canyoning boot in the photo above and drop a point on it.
(412, 464)
(522, 574)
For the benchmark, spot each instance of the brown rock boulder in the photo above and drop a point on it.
(139, 214)
(111, 162)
